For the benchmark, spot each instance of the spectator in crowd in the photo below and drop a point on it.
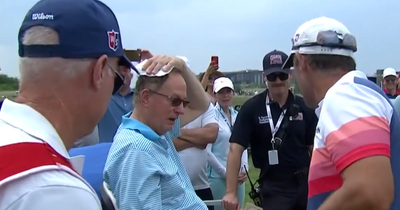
(355, 160)
(191, 145)
(207, 79)
(389, 80)
(143, 170)
(283, 159)
(218, 151)
(60, 77)
(120, 104)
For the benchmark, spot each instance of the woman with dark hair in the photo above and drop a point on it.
(207, 79)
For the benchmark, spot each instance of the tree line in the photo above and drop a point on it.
(8, 83)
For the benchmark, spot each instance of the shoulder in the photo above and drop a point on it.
(56, 186)
(255, 101)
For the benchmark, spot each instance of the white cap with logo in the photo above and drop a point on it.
(223, 82)
(322, 36)
(389, 72)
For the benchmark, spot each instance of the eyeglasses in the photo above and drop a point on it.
(331, 39)
(390, 79)
(118, 80)
(282, 76)
(175, 101)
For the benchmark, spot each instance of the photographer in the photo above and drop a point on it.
(280, 130)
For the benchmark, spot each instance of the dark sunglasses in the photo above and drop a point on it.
(282, 76)
(118, 80)
(331, 39)
(175, 101)
(390, 79)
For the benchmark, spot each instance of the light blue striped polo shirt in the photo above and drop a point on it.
(144, 171)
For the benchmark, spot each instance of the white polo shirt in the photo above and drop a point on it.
(194, 159)
(49, 187)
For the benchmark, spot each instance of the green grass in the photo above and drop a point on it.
(253, 173)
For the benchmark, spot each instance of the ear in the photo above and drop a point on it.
(145, 97)
(99, 71)
(264, 77)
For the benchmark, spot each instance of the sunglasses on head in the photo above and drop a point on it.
(331, 39)
(282, 76)
(175, 101)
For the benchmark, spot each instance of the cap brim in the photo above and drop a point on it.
(275, 70)
(220, 88)
(126, 62)
(289, 62)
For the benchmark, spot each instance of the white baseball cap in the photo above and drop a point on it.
(322, 36)
(389, 72)
(223, 82)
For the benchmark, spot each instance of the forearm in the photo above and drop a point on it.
(232, 170)
(204, 81)
(200, 136)
(196, 95)
(181, 144)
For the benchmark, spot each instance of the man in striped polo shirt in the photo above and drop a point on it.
(356, 146)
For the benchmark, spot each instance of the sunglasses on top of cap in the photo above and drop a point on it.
(175, 101)
(331, 39)
(274, 76)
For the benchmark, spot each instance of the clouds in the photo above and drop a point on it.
(239, 32)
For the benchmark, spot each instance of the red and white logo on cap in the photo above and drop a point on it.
(113, 39)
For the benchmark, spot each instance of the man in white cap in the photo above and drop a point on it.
(356, 147)
(389, 81)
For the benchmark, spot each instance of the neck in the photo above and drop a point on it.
(140, 115)
(225, 109)
(324, 83)
(391, 91)
(280, 98)
(58, 113)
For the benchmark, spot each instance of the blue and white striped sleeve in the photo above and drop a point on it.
(138, 186)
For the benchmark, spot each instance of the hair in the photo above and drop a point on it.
(152, 83)
(32, 68)
(215, 73)
(324, 62)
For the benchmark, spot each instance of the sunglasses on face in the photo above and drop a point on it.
(118, 80)
(390, 79)
(175, 101)
(282, 76)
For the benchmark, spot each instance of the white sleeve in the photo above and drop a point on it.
(245, 161)
(209, 116)
(214, 162)
(57, 197)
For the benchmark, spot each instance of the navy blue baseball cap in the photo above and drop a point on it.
(86, 29)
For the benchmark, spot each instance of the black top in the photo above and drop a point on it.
(252, 127)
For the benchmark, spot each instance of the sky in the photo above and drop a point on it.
(239, 32)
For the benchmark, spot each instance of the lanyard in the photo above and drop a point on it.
(275, 128)
(226, 120)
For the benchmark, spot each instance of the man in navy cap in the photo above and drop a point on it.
(70, 55)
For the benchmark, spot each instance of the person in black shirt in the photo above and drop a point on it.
(284, 165)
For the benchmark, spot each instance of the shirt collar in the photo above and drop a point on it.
(137, 126)
(33, 123)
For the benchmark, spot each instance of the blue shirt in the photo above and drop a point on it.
(95, 159)
(117, 107)
(144, 171)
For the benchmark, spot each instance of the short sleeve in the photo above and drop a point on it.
(354, 124)
(242, 129)
(209, 116)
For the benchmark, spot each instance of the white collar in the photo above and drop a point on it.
(36, 125)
